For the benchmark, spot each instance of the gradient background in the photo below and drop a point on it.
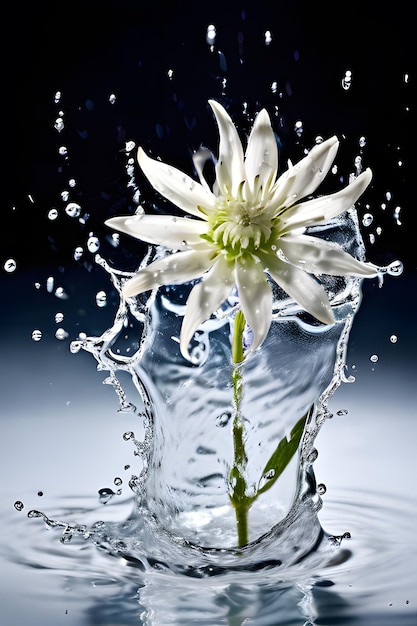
(60, 430)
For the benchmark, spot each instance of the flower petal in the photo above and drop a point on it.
(261, 153)
(325, 208)
(302, 287)
(161, 230)
(255, 298)
(230, 171)
(302, 179)
(179, 188)
(173, 269)
(204, 299)
(317, 256)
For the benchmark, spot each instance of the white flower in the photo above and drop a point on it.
(251, 224)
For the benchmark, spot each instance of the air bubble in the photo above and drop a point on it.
(52, 214)
(393, 339)
(57, 96)
(223, 419)
(36, 335)
(268, 37)
(18, 505)
(112, 98)
(10, 265)
(362, 142)
(59, 317)
(374, 358)
(62, 151)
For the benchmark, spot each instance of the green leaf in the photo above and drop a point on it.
(282, 455)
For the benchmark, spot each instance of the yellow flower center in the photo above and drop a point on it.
(238, 227)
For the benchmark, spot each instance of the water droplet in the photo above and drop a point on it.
(57, 96)
(105, 494)
(211, 35)
(269, 474)
(321, 489)
(223, 419)
(50, 284)
(268, 37)
(367, 219)
(18, 505)
(393, 339)
(93, 244)
(10, 265)
(118, 481)
(59, 317)
(112, 98)
(395, 268)
(298, 128)
(362, 142)
(347, 80)
(60, 293)
(36, 335)
(397, 212)
(274, 86)
(61, 334)
(358, 165)
(128, 435)
(313, 455)
(34, 513)
(388, 195)
(101, 299)
(40, 493)
(59, 124)
(62, 151)
(73, 209)
(52, 214)
(78, 252)
(374, 358)
(342, 412)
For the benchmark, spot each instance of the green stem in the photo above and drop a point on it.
(238, 495)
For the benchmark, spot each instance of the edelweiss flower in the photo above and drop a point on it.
(251, 224)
